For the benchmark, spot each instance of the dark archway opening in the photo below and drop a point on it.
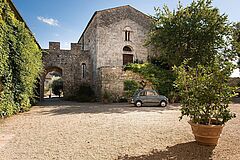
(53, 83)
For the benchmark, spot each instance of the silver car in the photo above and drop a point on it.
(148, 97)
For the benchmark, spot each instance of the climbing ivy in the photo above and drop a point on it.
(20, 63)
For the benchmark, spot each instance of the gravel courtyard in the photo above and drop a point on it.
(94, 131)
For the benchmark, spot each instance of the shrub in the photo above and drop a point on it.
(205, 92)
(57, 86)
(161, 79)
(107, 97)
(130, 86)
(84, 94)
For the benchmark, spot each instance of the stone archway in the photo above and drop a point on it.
(44, 79)
(69, 64)
(53, 76)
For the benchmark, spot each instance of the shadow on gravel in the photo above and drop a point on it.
(183, 151)
(59, 107)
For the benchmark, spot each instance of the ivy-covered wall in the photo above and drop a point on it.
(20, 62)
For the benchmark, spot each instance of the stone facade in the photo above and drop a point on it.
(112, 38)
(112, 80)
(69, 63)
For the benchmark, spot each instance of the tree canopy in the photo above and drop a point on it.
(197, 32)
(236, 38)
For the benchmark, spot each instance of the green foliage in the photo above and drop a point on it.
(20, 63)
(196, 32)
(161, 79)
(84, 94)
(107, 97)
(205, 92)
(110, 96)
(57, 86)
(130, 86)
(236, 38)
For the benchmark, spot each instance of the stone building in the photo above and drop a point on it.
(74, 65)
(112, 38)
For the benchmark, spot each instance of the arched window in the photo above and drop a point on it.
(83, 70)
(127, 35)
(127, 49)
(127, 31)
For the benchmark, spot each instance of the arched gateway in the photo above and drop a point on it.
(69, 64)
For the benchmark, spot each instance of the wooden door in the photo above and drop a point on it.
(127, 58)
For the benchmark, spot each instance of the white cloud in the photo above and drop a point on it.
(49, 21)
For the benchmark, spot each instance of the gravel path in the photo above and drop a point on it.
(81, 131)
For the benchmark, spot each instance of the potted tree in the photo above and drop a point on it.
(205, 97)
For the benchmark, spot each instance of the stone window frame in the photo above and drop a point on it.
(127, 33)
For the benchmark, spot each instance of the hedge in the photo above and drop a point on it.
(20, 63)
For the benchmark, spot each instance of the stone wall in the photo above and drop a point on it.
(88, 42)
(112, 42)
(69, 63)
(111, 79)
(112, 24)
(104, 37)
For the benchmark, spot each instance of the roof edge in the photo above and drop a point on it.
(95, 13)
(99, 11)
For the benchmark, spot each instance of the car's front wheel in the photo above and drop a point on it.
(138, 104)
(163, 103)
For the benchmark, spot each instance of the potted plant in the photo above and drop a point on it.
(205, 97)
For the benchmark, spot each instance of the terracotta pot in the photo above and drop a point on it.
(206, 134)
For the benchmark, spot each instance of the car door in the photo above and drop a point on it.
(152, 97)
(143, 96)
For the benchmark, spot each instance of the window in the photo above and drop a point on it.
(127, 49)
(127, 35)
(151, 93)
(83, 70)
(143, 93)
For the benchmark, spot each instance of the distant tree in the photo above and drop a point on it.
(197, 32)
(57, 86)
(236, 38)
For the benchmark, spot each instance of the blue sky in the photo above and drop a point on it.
(64, 21)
